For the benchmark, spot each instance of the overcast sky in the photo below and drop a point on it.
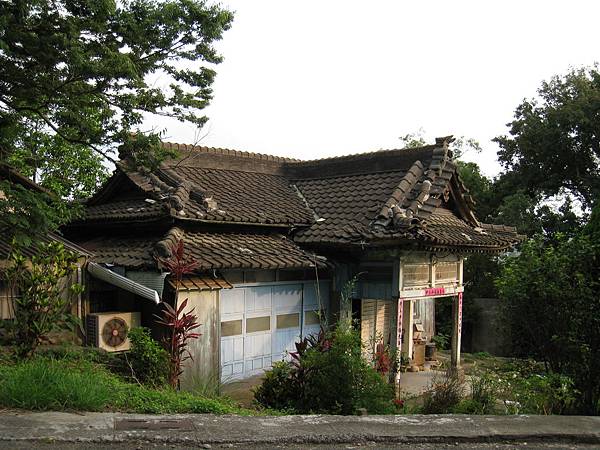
(314, 79)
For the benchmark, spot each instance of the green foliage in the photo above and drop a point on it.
(444, 394)
(441, 341)
(551, 309)
(336, 380)
(278, 391)
(77, 384)
(78, 78)
(44, 295)
(144, 400)
(45, 384)
(148, 360)
(26, 215)
(205, 386)
(484, 394)
(554, 141)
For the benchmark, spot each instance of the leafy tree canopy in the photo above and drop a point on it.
(77, 77)
(551, 308)
(554, 141)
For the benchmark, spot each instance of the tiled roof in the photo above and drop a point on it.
(135, 209)
(202, 283)
(345, 206)
(6, 245)
(378, 198)
(127, 251)
(239, 250)
(210, 250)
(445, 229)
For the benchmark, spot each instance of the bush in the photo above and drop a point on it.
(329, 377)
(149, 362)
(546, 394)
(44, 298)
(278, 391)
(483, 398)
(445, 394)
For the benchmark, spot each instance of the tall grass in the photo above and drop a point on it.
(75, 384)
(45, 384)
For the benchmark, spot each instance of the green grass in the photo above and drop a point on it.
(78, 384)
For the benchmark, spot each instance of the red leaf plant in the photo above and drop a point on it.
(180, 324)
(383, 362)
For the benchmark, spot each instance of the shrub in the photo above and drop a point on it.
(545, 394)
(445, 393)
(278, 390)
(149, 362)
(441, 341)
(330, 377)
(44, 295)
(484, 394)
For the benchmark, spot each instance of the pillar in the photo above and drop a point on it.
(456, 331)
(407, 325)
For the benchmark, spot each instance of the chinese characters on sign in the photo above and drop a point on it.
(435, 291)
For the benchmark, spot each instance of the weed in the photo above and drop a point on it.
(444, 394)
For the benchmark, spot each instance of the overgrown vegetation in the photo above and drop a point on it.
(149, 362)
(551, 309)
(73, 380)
(328, 376)
(43, 294)
(500, 386)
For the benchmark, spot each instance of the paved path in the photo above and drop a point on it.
(204, 429)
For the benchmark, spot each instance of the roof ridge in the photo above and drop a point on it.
(226, 151)
(268, 157)
(374, 153)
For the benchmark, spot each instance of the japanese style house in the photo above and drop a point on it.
(277, 239)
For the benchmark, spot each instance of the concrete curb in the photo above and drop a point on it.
(210, 429)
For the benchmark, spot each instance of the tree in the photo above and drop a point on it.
(554, 142)
(77, 77)
(551, 308)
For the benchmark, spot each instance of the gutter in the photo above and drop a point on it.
(107, 275)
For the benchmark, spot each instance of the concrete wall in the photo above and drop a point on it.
(206, 349)
(487, 335)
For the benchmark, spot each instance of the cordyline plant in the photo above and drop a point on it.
(180, 324)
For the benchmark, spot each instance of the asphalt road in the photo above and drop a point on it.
(140, 446)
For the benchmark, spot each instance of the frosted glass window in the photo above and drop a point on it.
(288, 320)
(258, 324)
(447, 271)
(312, 317)
(231, 328)
(415, 274)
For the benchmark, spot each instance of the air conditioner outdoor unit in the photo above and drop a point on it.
(109, 330)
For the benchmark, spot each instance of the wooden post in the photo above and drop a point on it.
(400, 311)
(456, 331)
(407, 324)
(396, 328)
